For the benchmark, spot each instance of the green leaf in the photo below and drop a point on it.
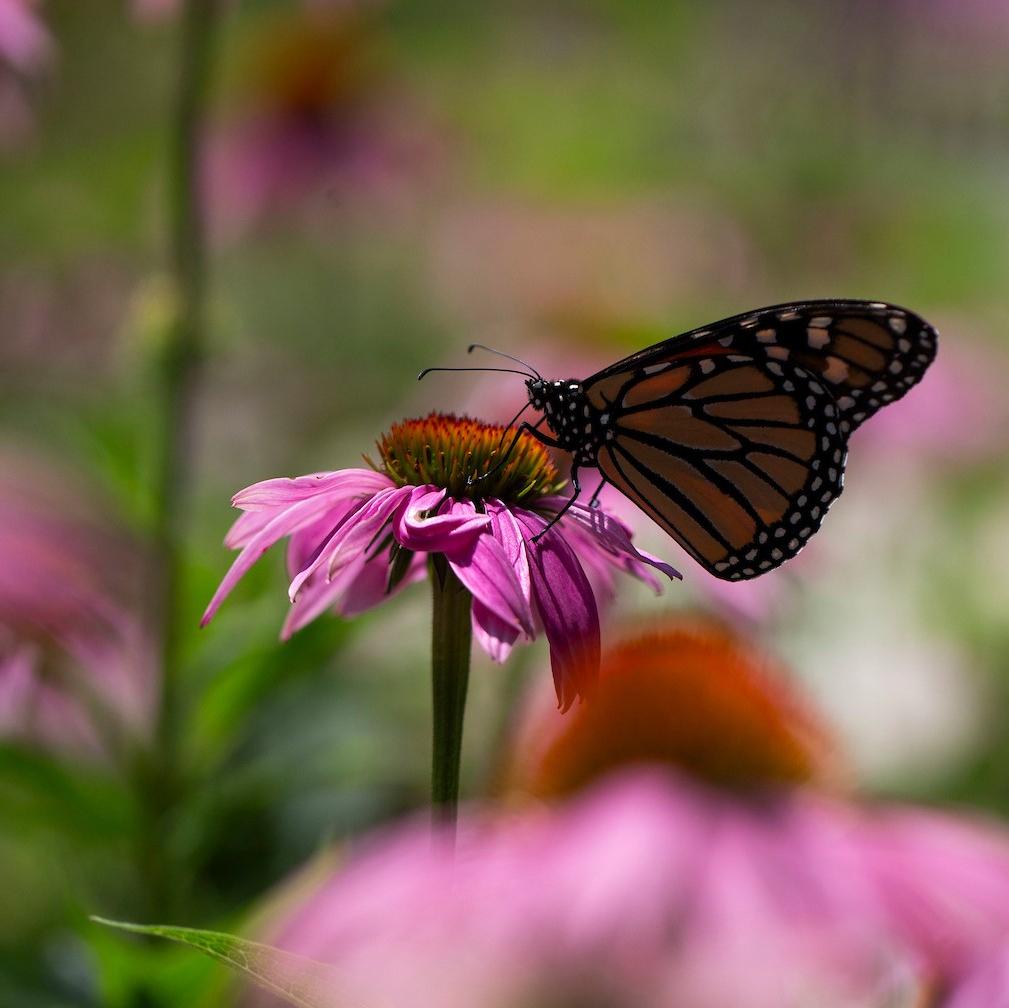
(304, 982)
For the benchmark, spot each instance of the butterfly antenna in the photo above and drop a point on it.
(501, 353)
(503, 370)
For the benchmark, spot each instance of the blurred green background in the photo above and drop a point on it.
(385, 183)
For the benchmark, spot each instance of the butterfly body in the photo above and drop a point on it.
(733, 437)
(577, 424)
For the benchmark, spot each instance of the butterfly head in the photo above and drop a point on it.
(565, 407)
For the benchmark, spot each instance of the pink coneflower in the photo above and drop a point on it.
(690, 694)
(315, 114)
(74, 671)
(26, 50)
(716, 865)
(438, 499)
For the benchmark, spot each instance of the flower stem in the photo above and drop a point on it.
(451, 637)
(179, 371)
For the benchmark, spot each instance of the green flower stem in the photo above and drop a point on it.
(451, 638)
(178, 377)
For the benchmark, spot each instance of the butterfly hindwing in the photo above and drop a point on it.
(736, 457)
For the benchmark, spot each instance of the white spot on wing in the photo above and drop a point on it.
(817, 338)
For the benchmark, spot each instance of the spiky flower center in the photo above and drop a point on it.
(465, 456)
(694, 697)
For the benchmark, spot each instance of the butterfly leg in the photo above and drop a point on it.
(564, 510)
(594, 499)
(525, 428)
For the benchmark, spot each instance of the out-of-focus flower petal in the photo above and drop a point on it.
(649, 888)
(566, 606)
(76, 670)
(942, 904)
(985, 985)
(24, 42)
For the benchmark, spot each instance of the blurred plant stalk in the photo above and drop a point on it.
(178, 379)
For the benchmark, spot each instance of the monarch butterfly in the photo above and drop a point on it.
(733, 437)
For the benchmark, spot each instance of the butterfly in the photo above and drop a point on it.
(733, 437)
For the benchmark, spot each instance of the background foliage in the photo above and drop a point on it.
(568, 181)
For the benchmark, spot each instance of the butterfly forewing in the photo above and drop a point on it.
(736, 457)
(867, 353)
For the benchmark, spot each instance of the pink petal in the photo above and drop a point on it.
(354, 536)
(287, 521)
(305, 545)
(358, 586)
(24, 42)
(454, 527)
(567, 608)
(486, 570)
(368, 589)
(245, 526)
(283, 491)
(614, 538)
(986, 985)
(508, 532)
(494, 635)
(319, 594)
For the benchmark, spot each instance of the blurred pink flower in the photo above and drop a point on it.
(957, 415)
(24, 43)
(653, 890)
(70, 651)
(686, 859)
(357, 534)
(985, 985)
(588, 268)
(314, 115)
(26, 50)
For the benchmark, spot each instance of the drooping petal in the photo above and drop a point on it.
(495, 636)
(433, 523)
(508, 532)
(614, 537)
(566, 606)
(288, 520)
(486, 570)
(283, 491)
